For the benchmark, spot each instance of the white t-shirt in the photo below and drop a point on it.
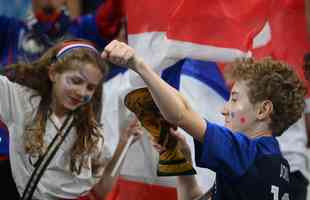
(293, 145)
(57, 181)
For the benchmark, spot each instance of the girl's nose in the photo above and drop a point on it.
(82, 91)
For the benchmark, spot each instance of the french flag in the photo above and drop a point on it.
(184, 41)
(164, 32)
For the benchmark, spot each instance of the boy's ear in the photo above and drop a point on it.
(52, 73)
(265, 109)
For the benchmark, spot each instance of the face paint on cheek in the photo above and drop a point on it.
(232, 115)
(67, 87)
(242, 120)
(86, 99)
(67, 83)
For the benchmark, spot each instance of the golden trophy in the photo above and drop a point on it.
(172, 162)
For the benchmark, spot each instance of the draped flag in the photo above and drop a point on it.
(217, 30)
(182, 41)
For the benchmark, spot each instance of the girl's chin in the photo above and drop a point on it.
(71, 107)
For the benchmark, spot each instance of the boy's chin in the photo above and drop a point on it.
(228, 126)
(233, 129)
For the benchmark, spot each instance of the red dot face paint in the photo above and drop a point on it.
(242, 120)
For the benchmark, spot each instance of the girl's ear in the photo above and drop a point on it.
(52, 73)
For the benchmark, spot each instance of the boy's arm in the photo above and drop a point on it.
(170, 102)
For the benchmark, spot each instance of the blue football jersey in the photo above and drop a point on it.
(246, 169)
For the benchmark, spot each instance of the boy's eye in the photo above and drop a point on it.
(233, 100)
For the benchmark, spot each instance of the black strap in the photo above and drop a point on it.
(44, 161)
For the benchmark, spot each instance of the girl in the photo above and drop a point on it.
(40, 102)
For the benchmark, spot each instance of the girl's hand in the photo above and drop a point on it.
(182, 144)
(119, 53)
(134, 128)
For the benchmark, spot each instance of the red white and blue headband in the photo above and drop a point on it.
(67, 48)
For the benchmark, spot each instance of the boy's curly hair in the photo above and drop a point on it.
(275, 81)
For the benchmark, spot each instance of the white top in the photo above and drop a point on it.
(307, 105)
(293, 145)
(16, 110)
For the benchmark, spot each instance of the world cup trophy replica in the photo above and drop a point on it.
(172, 161)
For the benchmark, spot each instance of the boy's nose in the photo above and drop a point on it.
(225, 111)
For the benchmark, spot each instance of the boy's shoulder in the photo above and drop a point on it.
(267, 145)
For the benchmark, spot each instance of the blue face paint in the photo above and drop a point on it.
(86, 99)
(232, 114)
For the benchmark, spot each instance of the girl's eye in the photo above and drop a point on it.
(75, 81)
(91, 88)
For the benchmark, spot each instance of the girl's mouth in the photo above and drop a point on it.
(75, 101)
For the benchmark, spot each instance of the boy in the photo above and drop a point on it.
(266, 98)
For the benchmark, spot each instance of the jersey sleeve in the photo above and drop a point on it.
(225, 152)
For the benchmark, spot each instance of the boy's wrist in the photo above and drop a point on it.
(141, 67)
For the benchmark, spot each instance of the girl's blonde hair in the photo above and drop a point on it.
(35, 76)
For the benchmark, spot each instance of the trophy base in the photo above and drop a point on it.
(173, 163)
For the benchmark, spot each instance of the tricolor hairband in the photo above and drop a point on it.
(69, 47)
